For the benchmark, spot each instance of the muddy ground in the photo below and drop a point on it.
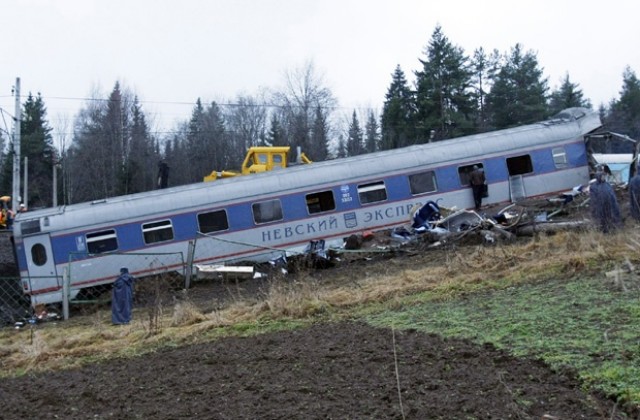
(328, 371)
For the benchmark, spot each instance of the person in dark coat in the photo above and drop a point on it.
(477, 181)
(634, 197)
(604, 204)
(122, 298)
(163, 174)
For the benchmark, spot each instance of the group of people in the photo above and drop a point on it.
(603, 204)
(6, 213)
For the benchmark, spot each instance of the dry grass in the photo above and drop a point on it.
(444, 271)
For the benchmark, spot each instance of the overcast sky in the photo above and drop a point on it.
(172, 52)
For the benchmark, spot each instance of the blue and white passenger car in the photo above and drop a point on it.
(255, 217)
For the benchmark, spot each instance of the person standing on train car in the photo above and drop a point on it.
(163, 174)
(477, 181)
(122, 298)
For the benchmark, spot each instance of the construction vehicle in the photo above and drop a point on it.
(261, 159)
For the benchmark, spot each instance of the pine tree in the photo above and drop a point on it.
(354, 137)
(196, 144)
(140, 165)
(207, 142)
(36, 146)
(484, 68)
(518, 95)
(624, 116)
(568, 95)
(371, 134)
(444, 100)
(275, 136)
(176, 156)
(115, 150)
(398, 113)
(341, 150)
(319, 136)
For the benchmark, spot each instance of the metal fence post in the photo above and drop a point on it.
(65, 293)
(189, 271)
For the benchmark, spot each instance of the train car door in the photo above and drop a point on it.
(40, 262)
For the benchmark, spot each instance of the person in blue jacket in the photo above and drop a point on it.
(122, 298)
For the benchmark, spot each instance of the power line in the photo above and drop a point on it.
(192, 103)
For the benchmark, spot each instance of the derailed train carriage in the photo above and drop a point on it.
(258, 217)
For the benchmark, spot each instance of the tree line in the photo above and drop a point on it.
(113, 151)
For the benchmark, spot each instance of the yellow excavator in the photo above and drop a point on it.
(261, 159)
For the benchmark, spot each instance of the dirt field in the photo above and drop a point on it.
(343, 371)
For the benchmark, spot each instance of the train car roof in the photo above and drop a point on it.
(354, 169)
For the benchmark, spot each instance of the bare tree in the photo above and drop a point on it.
(303, 95)
(247, 125)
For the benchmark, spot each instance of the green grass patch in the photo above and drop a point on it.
(588, 325)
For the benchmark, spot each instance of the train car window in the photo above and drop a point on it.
(424, 182)
(559, 157)
(372, 193)
(320, 202)
(267, 211)
(103, 241)
(519, 165)
(464, 172)
(157, 232)
(39, 255)
(214, 221)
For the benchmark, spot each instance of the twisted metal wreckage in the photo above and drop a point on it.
(438, 226)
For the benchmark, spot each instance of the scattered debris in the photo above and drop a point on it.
(221, 270)
(432, 225)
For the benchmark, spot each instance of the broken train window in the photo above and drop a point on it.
(519, 165)
(423, 182)
(320, 202)
(267, 211)
(214, 221)
(464, 172)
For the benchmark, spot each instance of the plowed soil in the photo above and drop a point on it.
(341, 371)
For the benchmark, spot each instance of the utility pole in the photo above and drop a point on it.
(16, 148)
(25, 188)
